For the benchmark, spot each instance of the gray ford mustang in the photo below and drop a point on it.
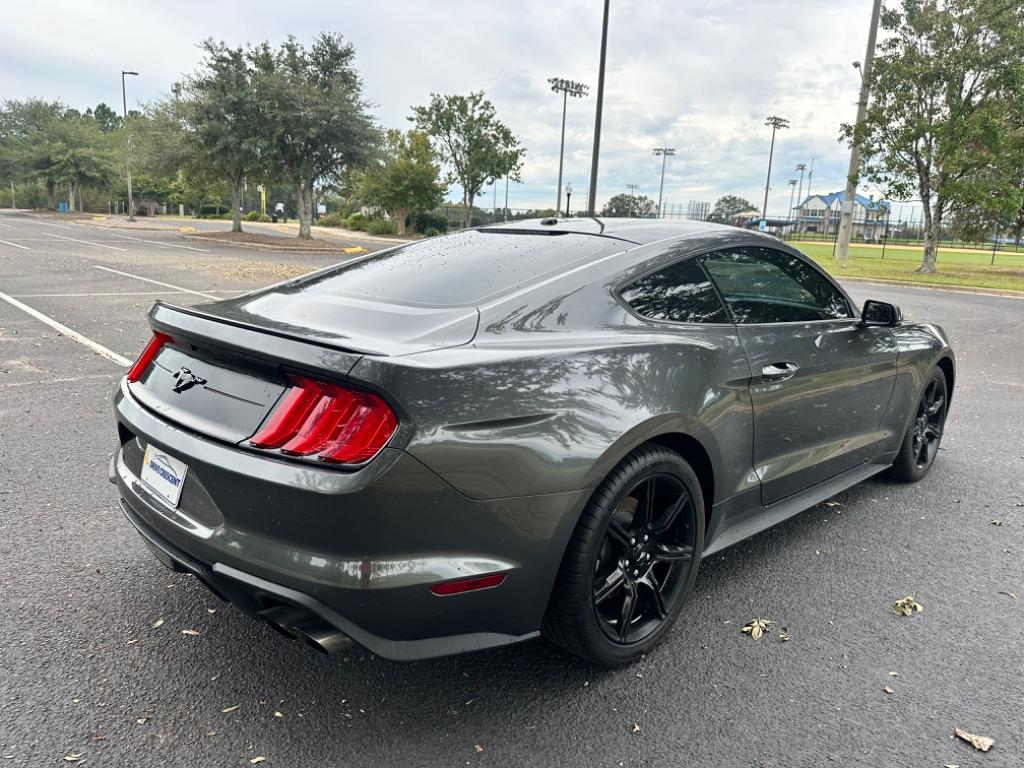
(543, 427)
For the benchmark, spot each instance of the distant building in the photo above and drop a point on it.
(821, 213)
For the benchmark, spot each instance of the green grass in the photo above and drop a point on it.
(953, 267)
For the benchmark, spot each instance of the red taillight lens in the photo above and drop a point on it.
(328, 421)
(468, 585)
(154, 346)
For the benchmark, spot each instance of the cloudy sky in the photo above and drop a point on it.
(694, 75)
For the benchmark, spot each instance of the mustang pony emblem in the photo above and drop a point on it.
(186, 380)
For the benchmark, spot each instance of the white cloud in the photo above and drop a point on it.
(698, 76)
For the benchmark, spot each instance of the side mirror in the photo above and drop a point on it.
(880, 313)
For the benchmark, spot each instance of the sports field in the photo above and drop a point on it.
(954, 267)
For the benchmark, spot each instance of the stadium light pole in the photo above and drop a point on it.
(592, 195)
(800, 192)
(853, 172)
(792, 191)
(664, 153)
(567, 88)
(775, 123)
(127, 145)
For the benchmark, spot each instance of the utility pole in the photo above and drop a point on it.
(127, 147)
(505, 217)
(775, 123)
(13, 204)
(632, 190)
(846, 215)
(567, 88)
(592, 197)
(664, 153)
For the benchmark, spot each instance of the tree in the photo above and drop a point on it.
(107, 119)
(629, 205)
(79, 153)
(943, 118)
(406, 180)
(25, 128)
(318, 120)
(471, 139)
(729, 206)
(219, 122)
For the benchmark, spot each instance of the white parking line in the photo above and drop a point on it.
(158, 242)
(88, 295)
(23, 247)
(86, 242)
(157, 282)
(64, 330)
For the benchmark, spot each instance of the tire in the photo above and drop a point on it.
(921, 442)
(629, 545)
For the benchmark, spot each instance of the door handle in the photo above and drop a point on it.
(779, 371)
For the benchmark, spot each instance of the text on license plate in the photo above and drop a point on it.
(163, 475)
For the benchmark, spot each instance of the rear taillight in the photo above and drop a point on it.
(328, 422)
(155, 345)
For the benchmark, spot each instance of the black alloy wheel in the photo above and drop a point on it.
(632, 559)
(646, 555)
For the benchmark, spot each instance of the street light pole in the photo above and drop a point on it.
(664, 153)
(775, 123)
(505, 217)
(592, 196)
(567, 88)
(846, 215)
(127, 146)
(568, 198)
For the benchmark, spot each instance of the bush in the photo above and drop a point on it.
(381, 227)
(432, 232)
(356, 221)
(256, 216)
(425, 220)
(210, 210)
(336, 219)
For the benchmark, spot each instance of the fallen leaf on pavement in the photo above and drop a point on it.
(636, 727)
(74, 757)
(894, 674)
(257, 759)
(888, 690)
(477, 748)
(211, 610)
(996, 521)
(277, 714)
(158, 623)
(982, 743)
(784, 635)
(189, 632)
(907, 606)
(756, 628)
(1014, 595)
(230, 709)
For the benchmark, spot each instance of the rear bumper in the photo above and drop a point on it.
(358, 550)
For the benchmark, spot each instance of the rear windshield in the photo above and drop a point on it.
(460, 270)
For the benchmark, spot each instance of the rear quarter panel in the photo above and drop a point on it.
(525, 412)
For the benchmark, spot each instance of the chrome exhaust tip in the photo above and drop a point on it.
(301, 624)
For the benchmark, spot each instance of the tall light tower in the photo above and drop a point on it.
(664, 153)
(846, 213)
(633, 190)
(567, 88)
(776, 124)
(800, 192)
(792, 191)
(127, 145)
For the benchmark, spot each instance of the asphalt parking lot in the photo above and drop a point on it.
(94, 662)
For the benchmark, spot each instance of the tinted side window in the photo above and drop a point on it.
(762, 285)
(680, 292)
